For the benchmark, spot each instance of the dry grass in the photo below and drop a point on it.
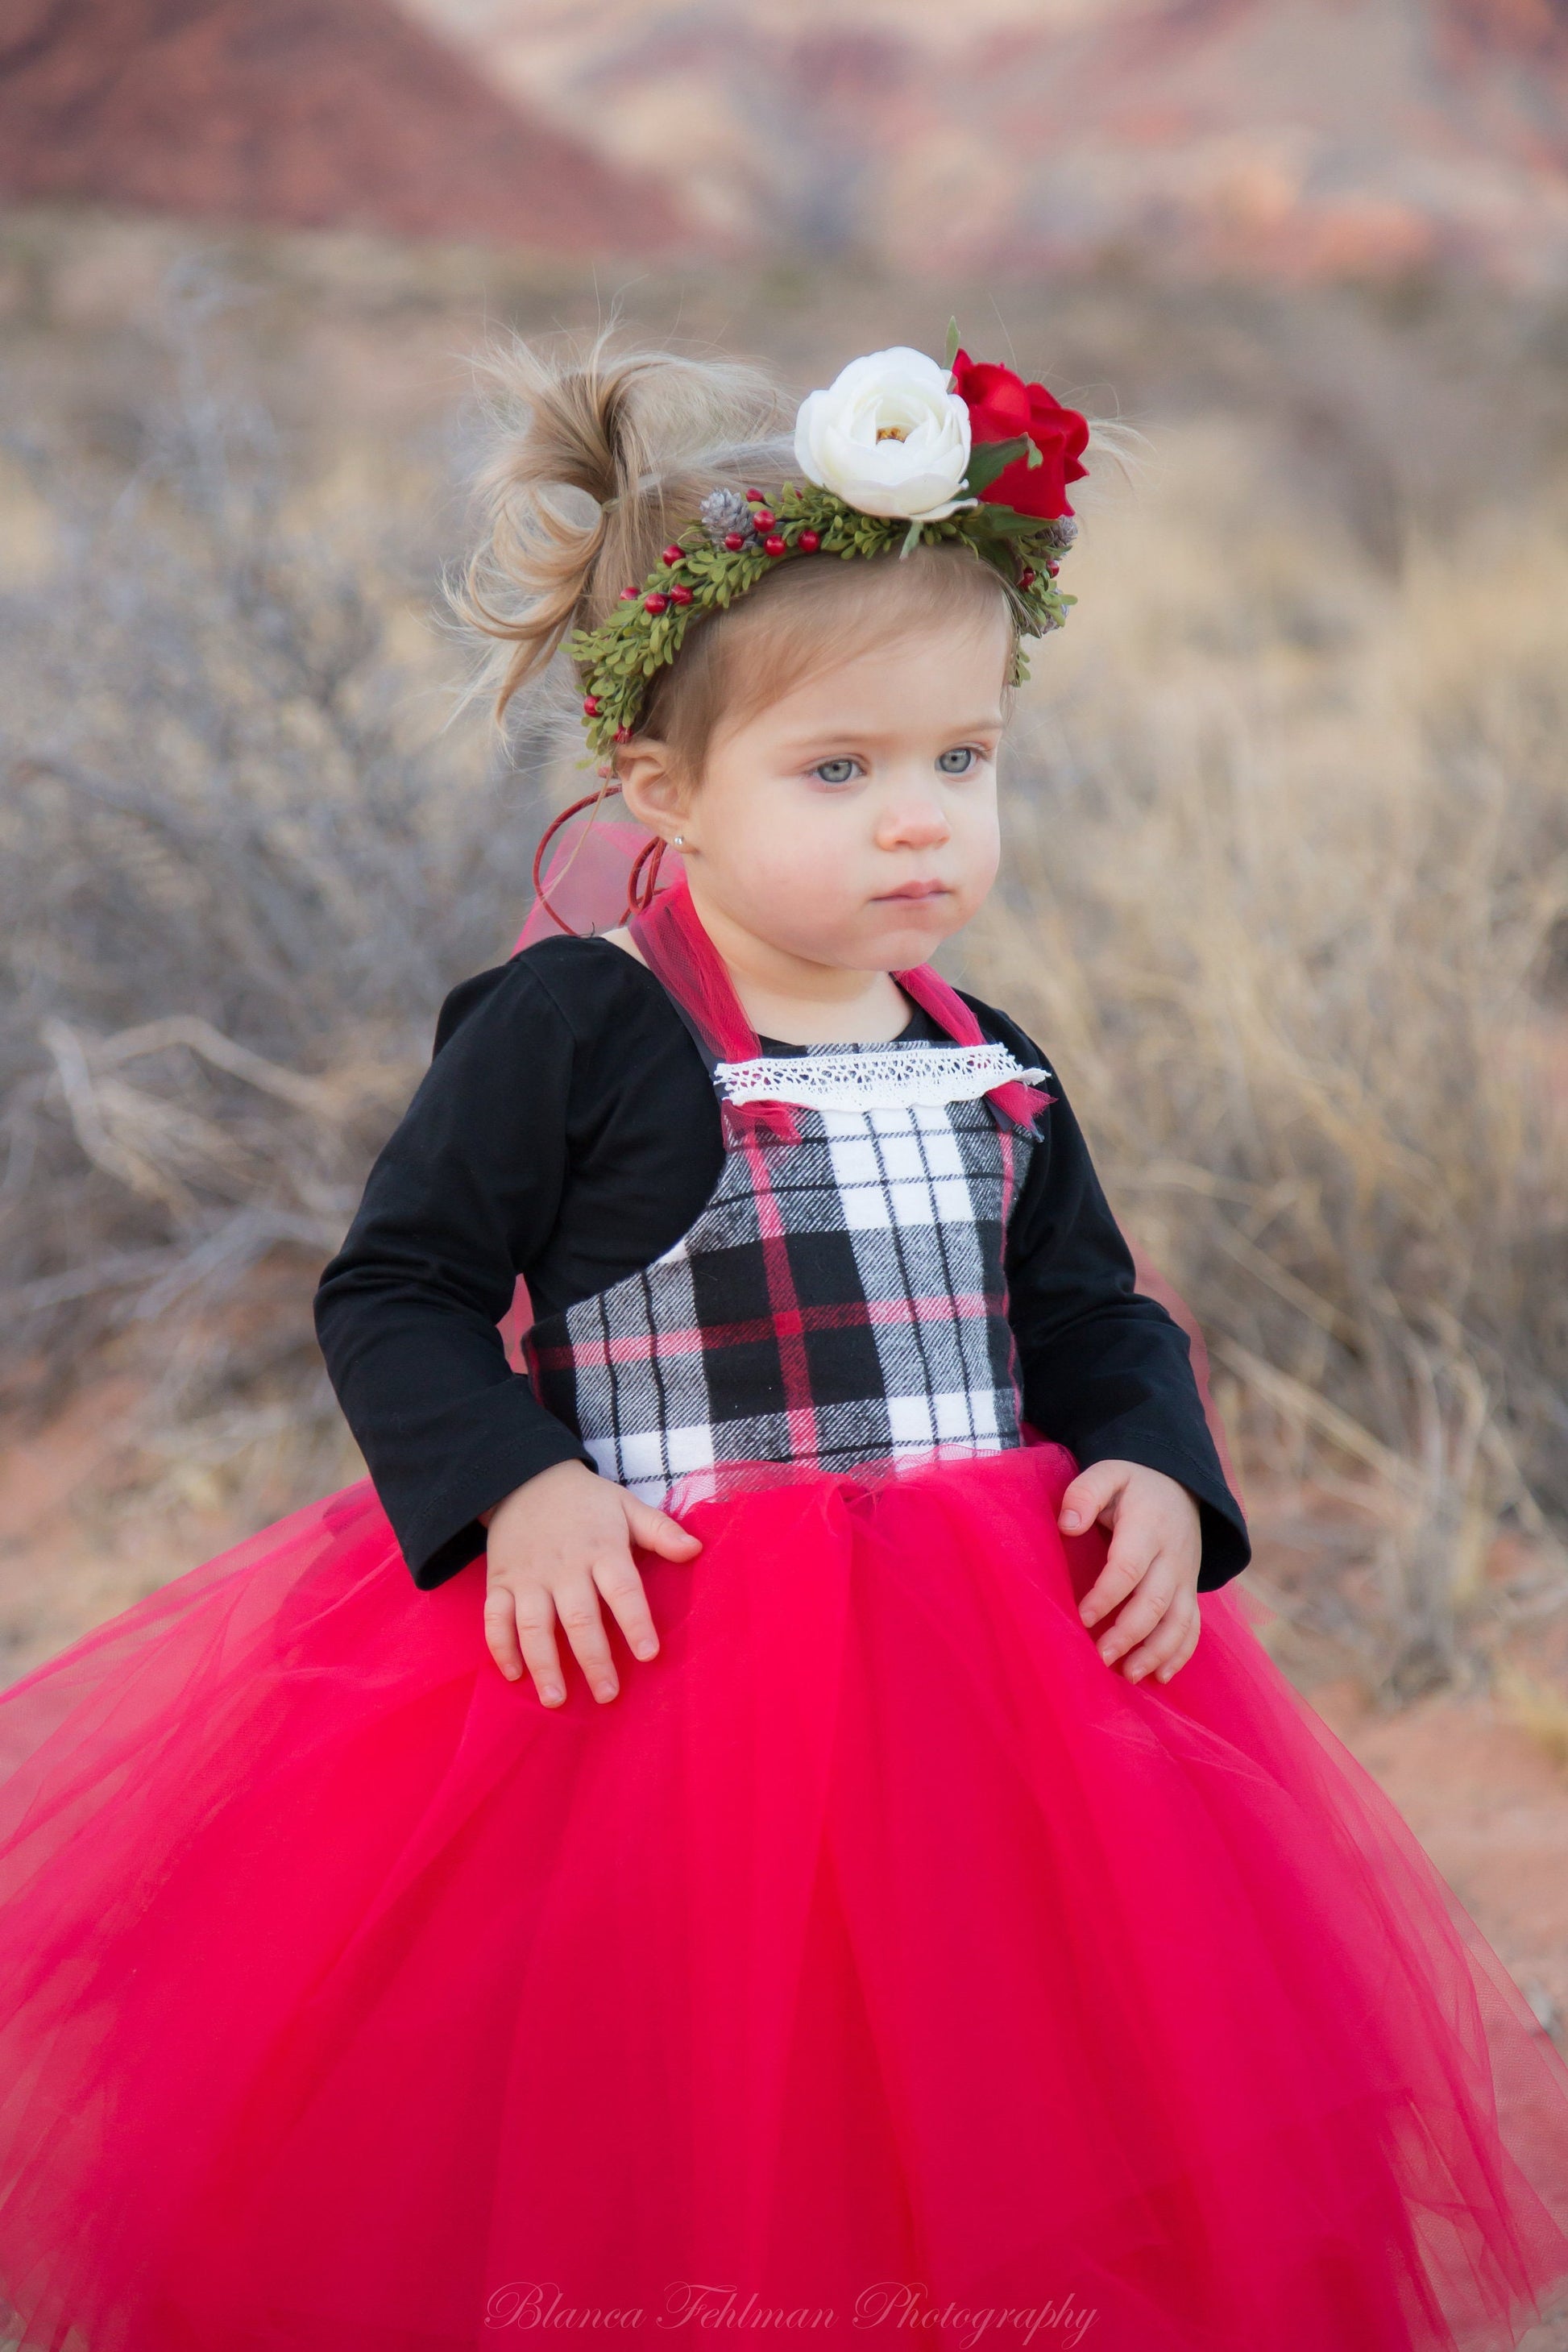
(1288, 882)
(240, 861)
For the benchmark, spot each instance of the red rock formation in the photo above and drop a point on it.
(1277, 137)
(304, 114)
(1529, 28)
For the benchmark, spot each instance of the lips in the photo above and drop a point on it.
(914, 890)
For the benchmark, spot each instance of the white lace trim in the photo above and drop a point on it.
(901, 1077)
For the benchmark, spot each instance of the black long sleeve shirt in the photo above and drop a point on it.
(567, 1132)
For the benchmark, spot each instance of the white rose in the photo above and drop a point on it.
(888, 436)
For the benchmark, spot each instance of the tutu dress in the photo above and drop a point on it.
(877, 1965)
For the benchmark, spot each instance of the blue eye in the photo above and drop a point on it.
(835, 772)
(966, 756)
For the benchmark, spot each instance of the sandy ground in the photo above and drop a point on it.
(81, 1537)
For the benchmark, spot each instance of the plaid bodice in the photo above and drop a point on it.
(839, 1300)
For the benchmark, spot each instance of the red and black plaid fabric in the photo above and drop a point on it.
(840, 1300)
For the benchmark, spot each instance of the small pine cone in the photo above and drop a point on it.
(724, 513)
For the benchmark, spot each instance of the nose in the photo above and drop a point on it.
(913, 821)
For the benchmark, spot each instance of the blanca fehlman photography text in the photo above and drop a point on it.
(889, 2305)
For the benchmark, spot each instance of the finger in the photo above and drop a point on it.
(1145, 1611)
(623, 1588)
(1128, 1561)
(500, 1632)
(577, 1606)
(1111, 1586)
(1136, 1543)
(1092, 1492)
(1194, 1637)
(1163, 1645)
(535, 1614)
(655, 1530)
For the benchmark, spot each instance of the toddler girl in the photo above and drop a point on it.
(807, 1841)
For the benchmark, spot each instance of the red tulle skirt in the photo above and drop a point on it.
(878, 1964)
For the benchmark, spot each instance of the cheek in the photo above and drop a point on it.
(977, 839)
(798, 881)
(990, 863)
(782, 840)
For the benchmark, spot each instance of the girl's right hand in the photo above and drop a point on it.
(557, 1543)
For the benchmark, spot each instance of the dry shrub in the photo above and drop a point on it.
(1288, 877)
(240, 861)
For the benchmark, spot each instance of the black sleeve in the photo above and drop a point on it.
(464, 1194)
(1106, 1372)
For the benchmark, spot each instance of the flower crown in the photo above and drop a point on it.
(896, 452)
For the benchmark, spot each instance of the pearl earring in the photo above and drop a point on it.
(678, 841)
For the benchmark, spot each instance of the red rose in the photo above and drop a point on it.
(1001, 404)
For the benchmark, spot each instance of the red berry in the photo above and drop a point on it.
(1053, 568)
(1026, 578)
(590, 705)
(623, 733)
(776, 545)
(810, 540)
(656, 603)
(673, 554)
(756, 494)
(734, 541)
(630, 595)
(763, 519)
(680, 594)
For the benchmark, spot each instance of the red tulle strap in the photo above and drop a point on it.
(1013, 1098)
(669, 935)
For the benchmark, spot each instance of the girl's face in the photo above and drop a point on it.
(853, 822)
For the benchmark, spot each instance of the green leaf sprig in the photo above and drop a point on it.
(648, 628)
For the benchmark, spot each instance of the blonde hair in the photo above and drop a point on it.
(598, 457)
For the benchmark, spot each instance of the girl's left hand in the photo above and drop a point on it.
(1156, 1550)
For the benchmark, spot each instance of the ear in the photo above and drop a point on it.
(651, 786)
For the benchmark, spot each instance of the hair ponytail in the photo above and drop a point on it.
(642, 436)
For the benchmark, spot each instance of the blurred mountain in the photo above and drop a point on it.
(303, 113)
(1298, 137)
